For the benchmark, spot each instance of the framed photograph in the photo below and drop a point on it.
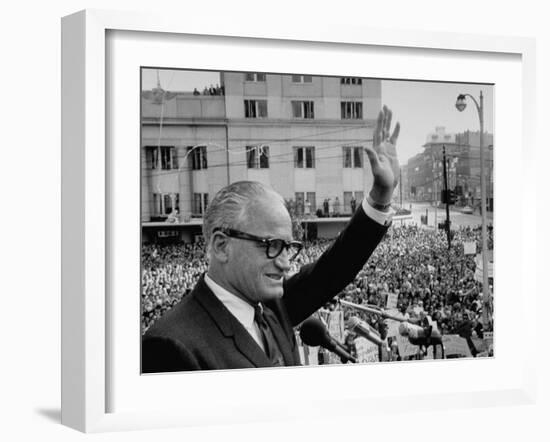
(158, 117)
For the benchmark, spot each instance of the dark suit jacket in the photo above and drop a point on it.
(200, 333)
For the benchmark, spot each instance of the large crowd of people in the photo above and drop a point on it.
(412, 261)
(168, 273)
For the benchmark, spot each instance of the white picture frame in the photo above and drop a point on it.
(86, 235)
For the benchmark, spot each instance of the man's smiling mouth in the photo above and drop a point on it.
(275, 276)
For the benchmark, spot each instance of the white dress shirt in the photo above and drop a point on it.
(239, 308)
(380, 217)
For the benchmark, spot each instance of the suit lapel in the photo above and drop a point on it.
(229, 326)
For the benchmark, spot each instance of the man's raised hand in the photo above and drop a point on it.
(383, 158)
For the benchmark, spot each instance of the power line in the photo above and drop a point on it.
(245, 161)
(286, 140)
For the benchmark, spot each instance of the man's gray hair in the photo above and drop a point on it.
(230, 205)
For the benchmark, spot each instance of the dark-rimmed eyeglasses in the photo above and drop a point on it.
(273, 246)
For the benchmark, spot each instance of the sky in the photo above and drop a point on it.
(420, 107)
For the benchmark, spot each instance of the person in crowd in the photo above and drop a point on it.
(325, 207)
(241, 313)
(349, 344)
(173, 217)
(336, 207)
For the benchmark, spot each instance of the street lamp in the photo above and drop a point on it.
(461, 105)
(461, 102)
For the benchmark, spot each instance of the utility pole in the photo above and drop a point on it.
(461, 105)
(227, 152)
(446, 193)
(400, 189)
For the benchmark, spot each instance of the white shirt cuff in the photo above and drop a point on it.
(383, 218)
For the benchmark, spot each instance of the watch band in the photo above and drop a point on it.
(378, 206)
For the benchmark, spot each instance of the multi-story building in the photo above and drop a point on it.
(402, 194)
(303, 135)
(425, 170)
(468, 168)
(181, 137)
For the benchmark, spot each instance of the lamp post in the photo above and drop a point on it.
(461, 105)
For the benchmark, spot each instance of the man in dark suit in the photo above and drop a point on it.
(242, 312)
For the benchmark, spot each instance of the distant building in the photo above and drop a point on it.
(403, 187)
(468, 168)
(303, 135)
(425, 170)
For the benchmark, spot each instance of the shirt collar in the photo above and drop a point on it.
(239, 308)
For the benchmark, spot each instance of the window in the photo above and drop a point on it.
(310, 202)
(197, 157)
(302, 78)
(164, 203)
(302, 109)
(299, 198)
(257, 157)
(200, 203)
(351, 80)
(350, 207)
(347, 202)
(304, 157)
(307, 206)
(351, 110)
(162, 157)
(255, 108)
(353, 157)
(254, 76)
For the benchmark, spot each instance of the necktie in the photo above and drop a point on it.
(271, 348)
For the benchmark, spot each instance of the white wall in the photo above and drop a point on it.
(30, 76)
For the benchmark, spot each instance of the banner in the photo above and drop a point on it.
(480, 345)
(470, 248)
(393, 326)
(335, 326)
(478, 275)
(366, 350)
(406, 349)
(391, 301)
(456, 346)
(479, 266)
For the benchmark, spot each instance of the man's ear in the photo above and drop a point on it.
(219, 248)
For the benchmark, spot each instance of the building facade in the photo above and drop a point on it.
(425, 170)
(302, 135)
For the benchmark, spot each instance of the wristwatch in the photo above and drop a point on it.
(378, 206)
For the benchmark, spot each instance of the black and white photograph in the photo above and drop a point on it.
(300, 219)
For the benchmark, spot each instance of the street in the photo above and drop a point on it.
(457, 218)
